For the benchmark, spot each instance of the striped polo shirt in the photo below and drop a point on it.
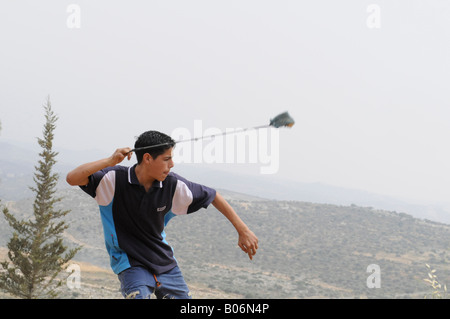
(134, 220)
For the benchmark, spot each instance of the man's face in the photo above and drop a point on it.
(160, 167)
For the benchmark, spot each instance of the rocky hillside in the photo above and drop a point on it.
(306, 250)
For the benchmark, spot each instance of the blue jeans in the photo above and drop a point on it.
(139, 283)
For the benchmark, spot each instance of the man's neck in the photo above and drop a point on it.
(144, 178)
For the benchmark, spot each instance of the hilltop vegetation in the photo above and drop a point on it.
(306, 250)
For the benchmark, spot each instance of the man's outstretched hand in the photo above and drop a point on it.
(248, 242)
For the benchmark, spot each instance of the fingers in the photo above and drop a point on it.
(251, 252)
(249, 248)
(120, 154)
(124, 151)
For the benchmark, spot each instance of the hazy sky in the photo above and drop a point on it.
(368, 82)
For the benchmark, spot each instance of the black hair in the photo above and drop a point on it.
(152, 138)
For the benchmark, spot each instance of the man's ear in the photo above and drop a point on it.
(147, 157)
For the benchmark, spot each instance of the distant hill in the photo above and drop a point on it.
(307, 250)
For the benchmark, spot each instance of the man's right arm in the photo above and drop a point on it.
(80, 175)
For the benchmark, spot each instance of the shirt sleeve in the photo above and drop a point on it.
(189, 197)
(101, 186)
(91, 186)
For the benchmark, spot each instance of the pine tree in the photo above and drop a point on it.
(36, 251)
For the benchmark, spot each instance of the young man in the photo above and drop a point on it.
(136, 203)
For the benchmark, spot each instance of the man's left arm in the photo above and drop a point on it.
(248, 241)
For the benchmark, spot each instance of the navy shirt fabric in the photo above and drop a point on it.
(133, 220)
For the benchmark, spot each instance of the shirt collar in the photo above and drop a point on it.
(132, 178)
